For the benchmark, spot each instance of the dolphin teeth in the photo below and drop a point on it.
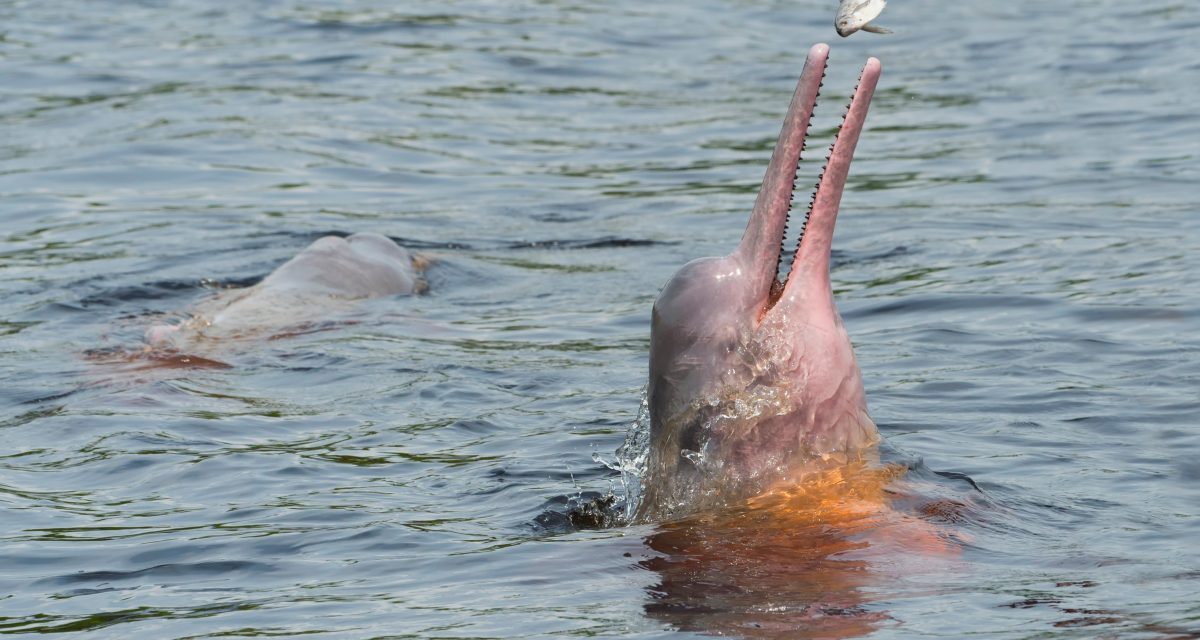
(787, 218)
(820, 178)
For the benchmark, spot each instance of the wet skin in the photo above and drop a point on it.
(753, 381)
(306, 290)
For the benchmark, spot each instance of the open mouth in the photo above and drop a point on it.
(767, 230)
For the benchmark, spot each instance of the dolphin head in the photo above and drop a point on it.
(752, 378)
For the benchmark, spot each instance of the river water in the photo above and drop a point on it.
(1016, 261)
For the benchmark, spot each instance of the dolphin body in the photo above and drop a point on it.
(307, 289)
(753, 381)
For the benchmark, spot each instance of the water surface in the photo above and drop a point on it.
(1016, 261)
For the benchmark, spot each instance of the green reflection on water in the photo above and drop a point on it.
(521, 263)
(43, 623)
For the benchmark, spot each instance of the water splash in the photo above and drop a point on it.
(631, 457)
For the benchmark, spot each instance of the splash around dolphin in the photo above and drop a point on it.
(753, 380)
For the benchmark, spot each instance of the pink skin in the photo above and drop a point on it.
(308, 288)
(753, 382)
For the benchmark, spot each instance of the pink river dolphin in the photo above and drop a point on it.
(753, 381)
(303, 291)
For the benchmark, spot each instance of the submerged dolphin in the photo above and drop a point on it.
(304, 290)
(753, 381)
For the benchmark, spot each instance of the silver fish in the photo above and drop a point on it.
(855, 15)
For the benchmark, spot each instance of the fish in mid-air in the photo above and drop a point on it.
(856, 15)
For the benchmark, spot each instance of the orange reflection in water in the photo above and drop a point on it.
(801, 561)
